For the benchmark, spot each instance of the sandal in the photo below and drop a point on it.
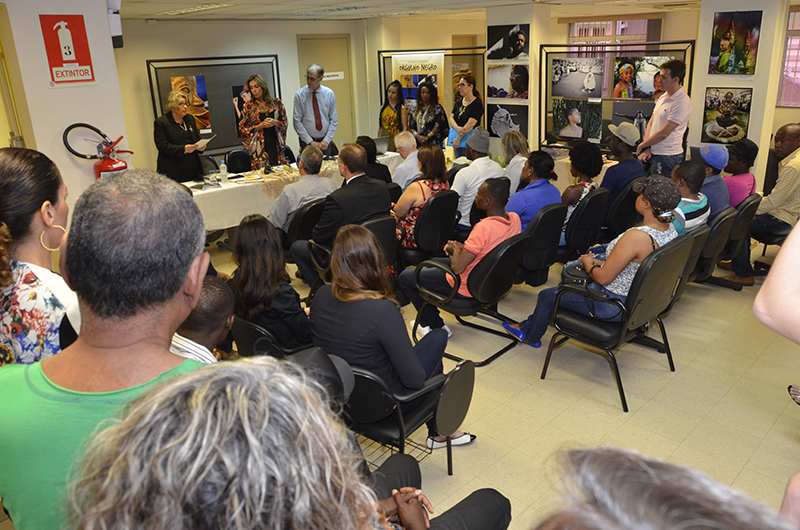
(795, 397)
(519, 335)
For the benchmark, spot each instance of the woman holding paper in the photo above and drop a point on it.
(176, 136)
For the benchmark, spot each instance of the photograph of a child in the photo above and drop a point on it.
(577, 118)
(734, 43)
(577, 78)
(507, 81)
(638, 77)
(504, 118)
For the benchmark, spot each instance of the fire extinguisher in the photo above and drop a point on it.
(107, 161)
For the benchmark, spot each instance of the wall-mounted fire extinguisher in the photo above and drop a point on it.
(107, 161)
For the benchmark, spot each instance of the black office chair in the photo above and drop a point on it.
(209, 164)
(252, 339)
(651, 293)
(584, 225)
(303, 223)
(621, 213)
(238, 161)
(740, 235)
(475, 215)
(719, 233)
(434, 228)
(699, 237)
(488, 282)
(290, 158)
(374, 412)
(395, 191)
(451, 173)
(544, 232)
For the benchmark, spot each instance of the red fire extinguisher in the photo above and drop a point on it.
(107, 161)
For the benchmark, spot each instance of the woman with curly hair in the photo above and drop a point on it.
(263, 126)
(428, 122)
(585, 163)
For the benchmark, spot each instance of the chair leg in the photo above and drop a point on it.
(714, 280)
(449, 455)
(512, 342)
(615, 368)
(666, 343)
(550, 349)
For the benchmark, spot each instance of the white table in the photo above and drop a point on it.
(225, 206)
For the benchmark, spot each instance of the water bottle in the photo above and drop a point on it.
(223, 171)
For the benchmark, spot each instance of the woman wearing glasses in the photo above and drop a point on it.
(176, 134)
(467, 114)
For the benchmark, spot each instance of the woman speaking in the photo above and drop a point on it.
(176, 134)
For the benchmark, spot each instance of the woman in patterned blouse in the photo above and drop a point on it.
(263, 126)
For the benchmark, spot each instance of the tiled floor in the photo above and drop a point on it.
(725, 409)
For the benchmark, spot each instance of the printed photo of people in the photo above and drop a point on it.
(636, 112)
(577, 118)
(734, 43)
(194, 86)
(638, 77)
(504, 118)
(241, 95)
(577, 78)
(726, 116)
(507, 81)
(508, 42)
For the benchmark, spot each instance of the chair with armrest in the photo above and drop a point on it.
(621, 213)
(544, 232)
(699, 238)
(303, 223)
(238, 161)
(434, 228)
(374, 412)
(252, 339)
(488, 282)
(584, 225)
(395, 191)
(475, 215)
(209, 164)
(651, 293)
(719, 234)
(451, 173)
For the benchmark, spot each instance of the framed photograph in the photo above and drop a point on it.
(577, 78)
(507, 81)
(575, 119)
(734, 43)
(636, 112)
(637, 77)
(504, 118)
(216, 88)
(508, 42)
(726, 116)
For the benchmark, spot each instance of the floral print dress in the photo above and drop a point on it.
(254, 143)
(406, 239)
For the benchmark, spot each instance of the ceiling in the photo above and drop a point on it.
(359, 9)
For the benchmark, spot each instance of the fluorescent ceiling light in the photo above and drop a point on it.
(327, 11)
(195, 9)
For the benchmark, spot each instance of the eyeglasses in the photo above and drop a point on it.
(463, 84)
(183, 104)
(311, 78)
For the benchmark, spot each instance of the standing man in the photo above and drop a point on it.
(663, 138)
(314, 115)
(408, 170)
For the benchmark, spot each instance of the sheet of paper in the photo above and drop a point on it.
(204, 142)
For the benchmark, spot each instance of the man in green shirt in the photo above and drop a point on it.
(135, 259)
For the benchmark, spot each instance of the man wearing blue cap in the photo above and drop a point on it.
(715, 158)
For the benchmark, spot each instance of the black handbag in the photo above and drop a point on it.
(575, 275)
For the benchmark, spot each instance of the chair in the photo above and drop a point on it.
(475, 215)
(433, 229)
(700, 237)
(252, 339)
(584, 225)
(290, 158)
(303, 223)
(374, 412)
(451, 173)
(238, 161)
(488, 282)
(718, 237)
(395, 191)
(209, 164)
(652, 291)
(773, 238)
(544, 232)
(621, 214)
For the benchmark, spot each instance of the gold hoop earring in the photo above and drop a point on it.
(41, 239)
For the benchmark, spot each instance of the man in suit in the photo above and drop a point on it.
(360, 200)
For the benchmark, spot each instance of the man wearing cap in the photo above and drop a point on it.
(662, 144)
(741, 157)
(468, 180)
(623, 146)
(715, 158)
(779, 210)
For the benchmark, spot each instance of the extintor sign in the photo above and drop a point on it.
(66, 46)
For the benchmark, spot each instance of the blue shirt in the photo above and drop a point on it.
(619, 175)
(303, 114)
(717, 192)
(528, 201)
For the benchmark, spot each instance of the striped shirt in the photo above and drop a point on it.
(191, 350)
(691, 213)
(784, 201)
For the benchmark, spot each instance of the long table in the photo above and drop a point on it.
(225, 206)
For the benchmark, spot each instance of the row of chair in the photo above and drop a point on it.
(237, 161)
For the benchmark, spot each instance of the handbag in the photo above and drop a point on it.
(575, 275)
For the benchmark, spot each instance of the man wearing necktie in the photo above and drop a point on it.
(314, 115)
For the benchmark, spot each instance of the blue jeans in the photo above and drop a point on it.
(432, 279)
(664, 164)
(763, 223)
(535, 325)
(458, 152)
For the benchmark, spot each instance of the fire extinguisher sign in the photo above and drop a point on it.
(67, 48)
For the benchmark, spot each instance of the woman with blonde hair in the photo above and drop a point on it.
(515, 154)
(176, 135)
(433, 180)
(263, 126)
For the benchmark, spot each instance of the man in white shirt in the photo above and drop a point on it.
(468, 180)
(314, 115)
(294, 196)
(207, 325)
(663, 139)
(408, 170)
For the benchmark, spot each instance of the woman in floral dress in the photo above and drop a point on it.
(433, 180)
(263, 126)
(429, 123)
(394, 114)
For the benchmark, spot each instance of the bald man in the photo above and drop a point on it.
(779, 211)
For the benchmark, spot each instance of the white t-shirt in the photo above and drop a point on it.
(675, 108)
(469, 179)
(514, 172)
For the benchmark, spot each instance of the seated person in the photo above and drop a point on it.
(469, 179)
(207, 325)
(269, 454)
(623, 146)
(619, 261)
(779, 210)
(715, 158)
(360, 200)
(296, 195)
(515, 153)
(741, 183)
(261, 284)
(358, 319)
(375, 169)
(620, 489)
(135, 258)
(490, 231)
(432, 180)
(585, 163)
(693, 209)
(537, 192)
(408, 170)
(34, 299)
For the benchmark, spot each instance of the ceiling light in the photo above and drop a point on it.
(326, 11)
(195, 9)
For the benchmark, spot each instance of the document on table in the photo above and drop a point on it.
(203, 142)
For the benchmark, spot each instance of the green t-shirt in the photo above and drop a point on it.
(43, 428)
